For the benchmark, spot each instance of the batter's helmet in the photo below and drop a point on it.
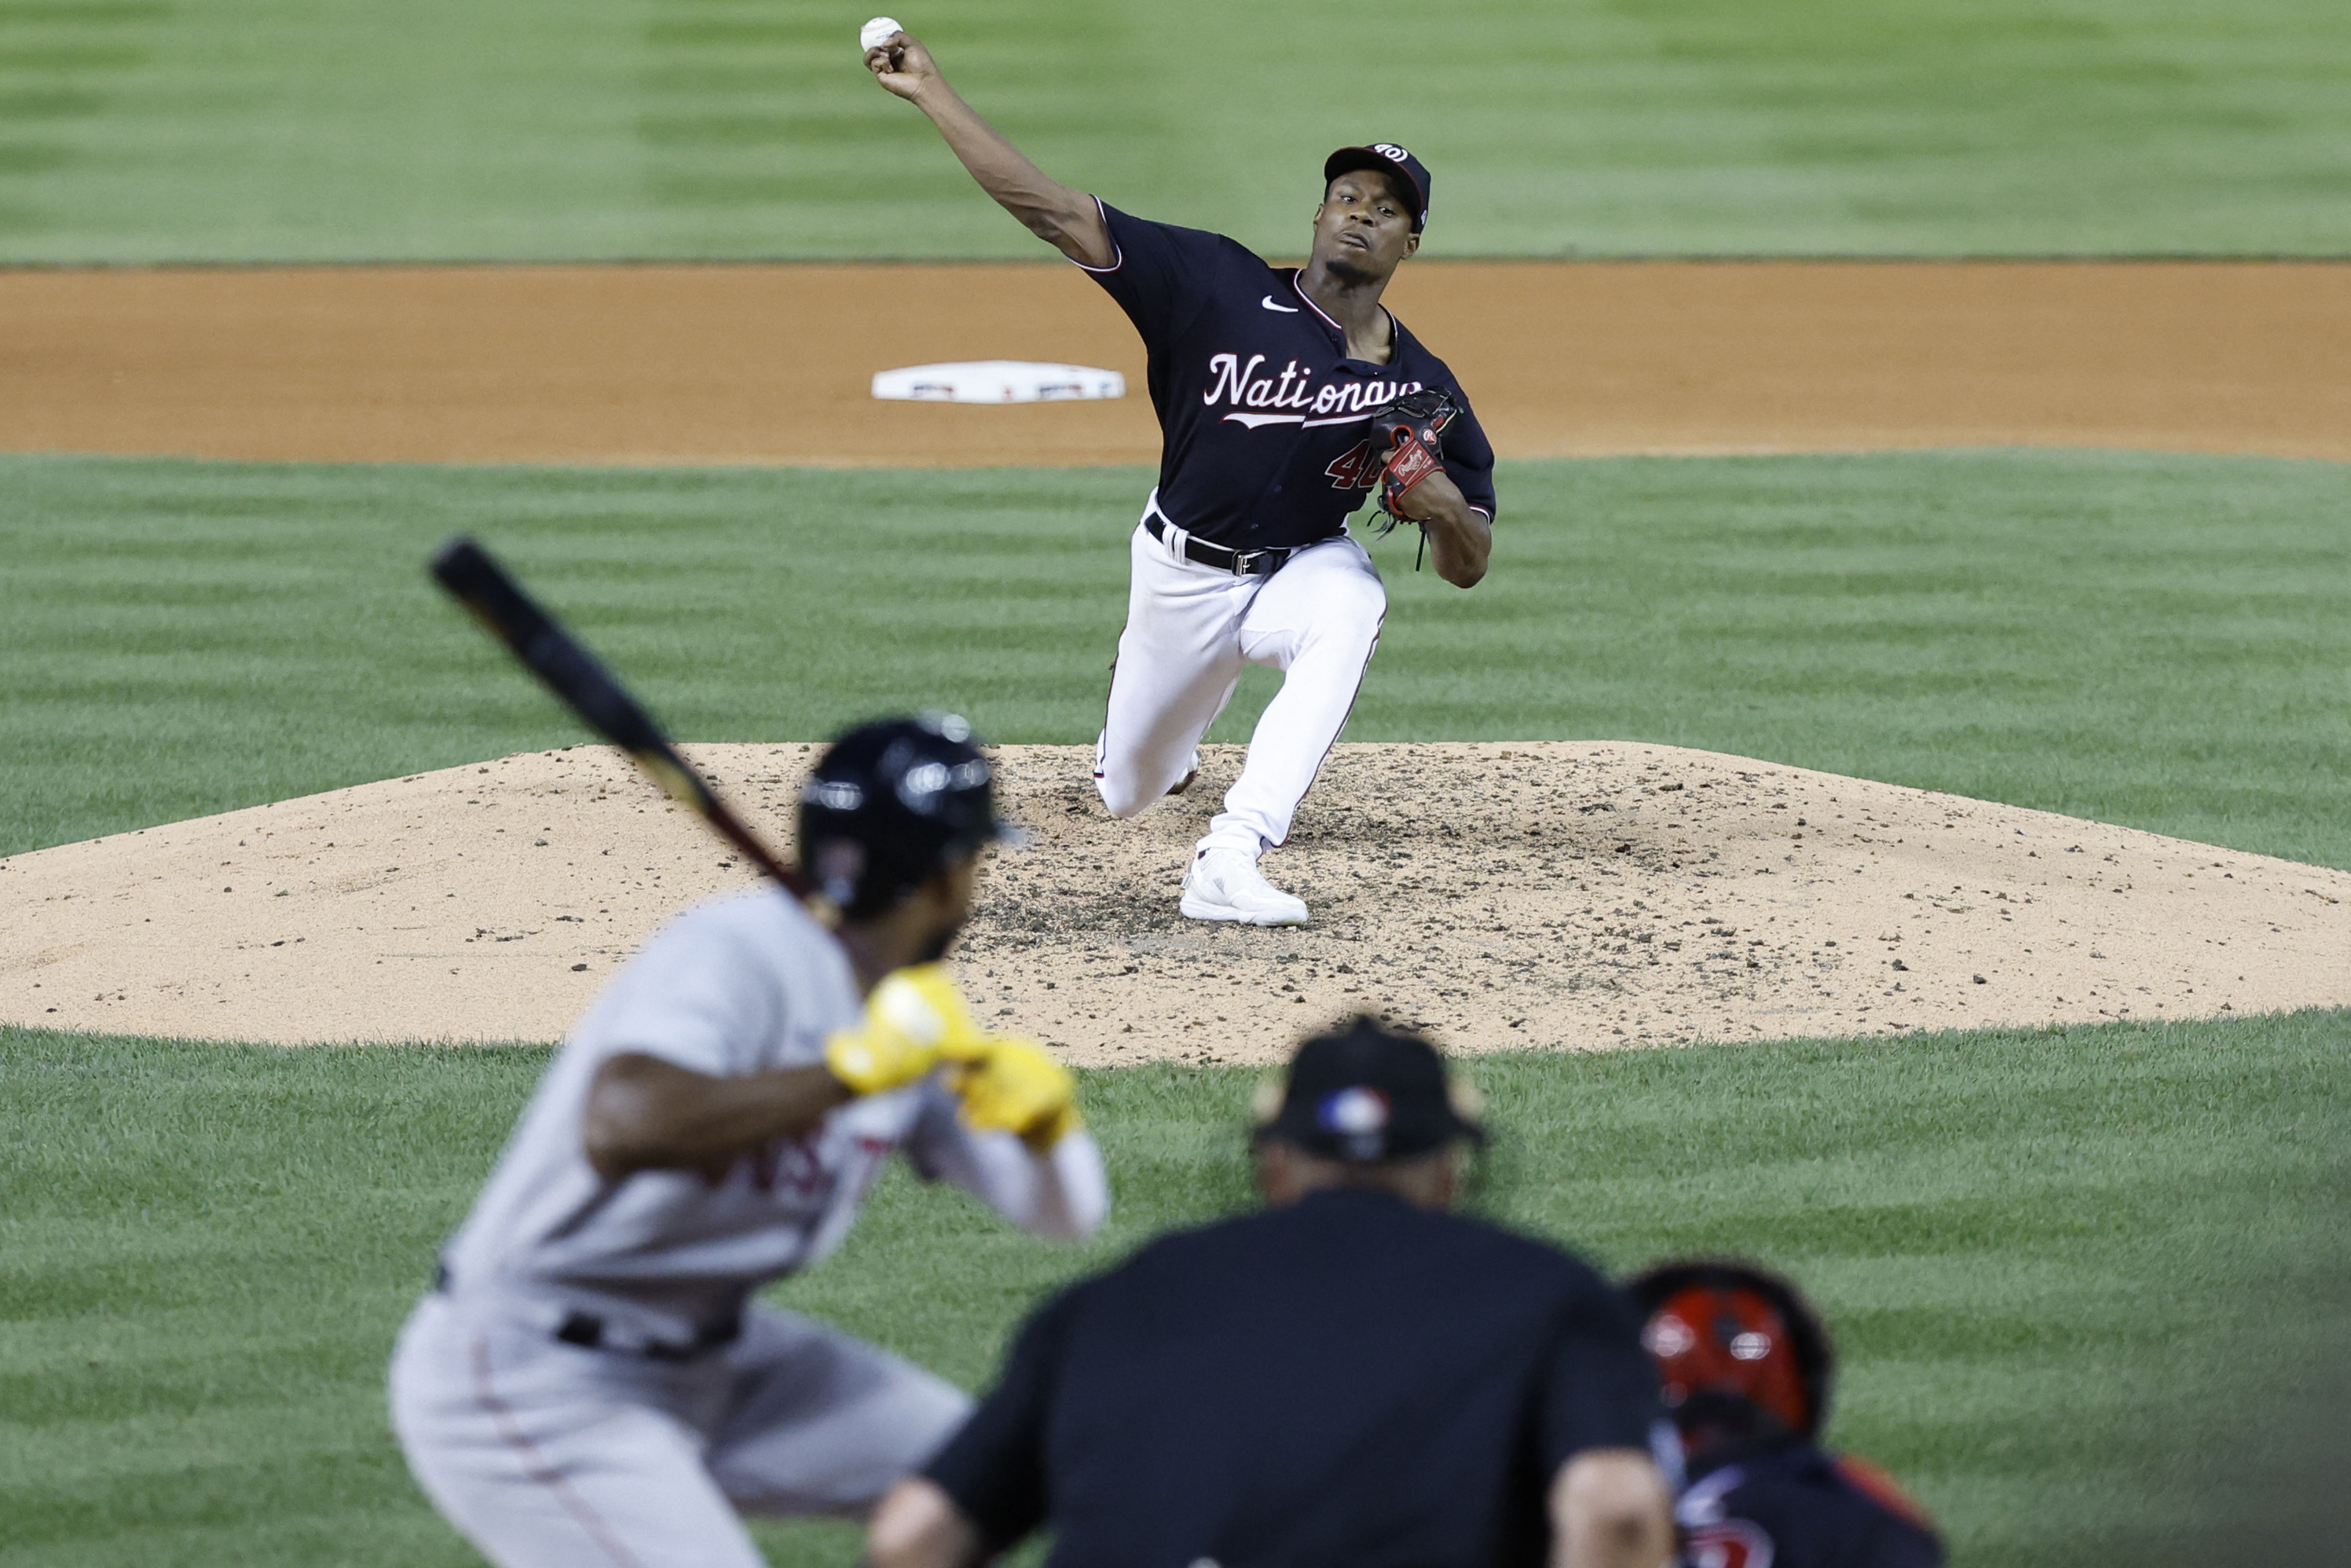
(889, 804)
(1738, 1351)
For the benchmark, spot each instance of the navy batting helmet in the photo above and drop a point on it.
(891, 803)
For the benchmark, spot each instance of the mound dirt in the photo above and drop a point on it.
(1578, 895)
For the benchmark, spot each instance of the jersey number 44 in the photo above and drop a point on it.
(1356, 469)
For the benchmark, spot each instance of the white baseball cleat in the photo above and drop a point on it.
(1225, 884)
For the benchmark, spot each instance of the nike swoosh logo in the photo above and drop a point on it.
(1285, 310)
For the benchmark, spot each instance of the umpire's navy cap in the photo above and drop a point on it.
(1389, 159)
(1367, 1094)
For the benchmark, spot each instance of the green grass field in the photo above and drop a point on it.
(2153, 641)
(2064, 1267)
(136, 130)
(2090, 1283)
(2068, 1267)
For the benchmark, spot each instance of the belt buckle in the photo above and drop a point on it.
(1245, 561)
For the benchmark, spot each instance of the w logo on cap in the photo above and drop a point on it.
(1390, 150)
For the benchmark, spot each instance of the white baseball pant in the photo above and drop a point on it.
(1189, 629)
(548, 1454)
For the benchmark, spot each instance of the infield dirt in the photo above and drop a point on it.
(772, 364)
(1583, 895)
(1568, 894)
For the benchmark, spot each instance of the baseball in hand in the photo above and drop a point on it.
(876, 33)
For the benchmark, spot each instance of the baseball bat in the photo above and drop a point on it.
(475, 579)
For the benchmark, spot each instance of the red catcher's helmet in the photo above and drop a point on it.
(1732, 1342)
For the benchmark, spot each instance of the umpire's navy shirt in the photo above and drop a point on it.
(1262, 416)
(1348, 1380)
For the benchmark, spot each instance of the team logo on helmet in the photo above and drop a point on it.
(1390, 150)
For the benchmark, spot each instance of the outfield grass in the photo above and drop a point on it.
(2156, 641)
(296, 130)
(2067, 1267)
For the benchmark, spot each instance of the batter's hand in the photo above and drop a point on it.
(913, 1017)
(1014, 1086)
(901, 65)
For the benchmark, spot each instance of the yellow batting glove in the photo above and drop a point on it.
(913, 1015)
(1012, 1085)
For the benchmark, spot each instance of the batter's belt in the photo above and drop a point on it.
(591, 1332)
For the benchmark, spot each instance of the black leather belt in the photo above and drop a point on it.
(588, 1331)
(1240, 563)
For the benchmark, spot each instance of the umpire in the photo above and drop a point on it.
(1352, 1375)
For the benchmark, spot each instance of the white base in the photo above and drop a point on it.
(997, 381)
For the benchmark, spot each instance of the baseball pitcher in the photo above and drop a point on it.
(589, 1381)
(1283, 394)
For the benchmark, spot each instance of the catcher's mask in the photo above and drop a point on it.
(1741, 1354)
(1368, 1095)
(891, 804)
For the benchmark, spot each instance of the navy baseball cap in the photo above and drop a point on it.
(1369, 1094)
(1388, 159)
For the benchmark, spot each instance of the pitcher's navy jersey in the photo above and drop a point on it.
(1261, 415)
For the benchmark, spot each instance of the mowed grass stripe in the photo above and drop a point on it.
(2149, 640)
(2065, 1267)
(137, 131)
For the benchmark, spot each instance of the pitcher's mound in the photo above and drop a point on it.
(1564, 894)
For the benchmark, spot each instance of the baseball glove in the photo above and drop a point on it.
(1413, 426)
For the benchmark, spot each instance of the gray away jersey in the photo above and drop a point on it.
(741, 986)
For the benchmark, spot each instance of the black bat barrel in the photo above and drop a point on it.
(476, 579)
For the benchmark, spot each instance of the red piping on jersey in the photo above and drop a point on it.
(537, 1468)
(1395, 328)
(1881, 1489)
(1299, 290)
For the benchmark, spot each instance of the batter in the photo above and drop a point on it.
(1265, 380)
(589, 1382)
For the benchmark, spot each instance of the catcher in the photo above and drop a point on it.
(1283, 394)
(1746, 1366)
